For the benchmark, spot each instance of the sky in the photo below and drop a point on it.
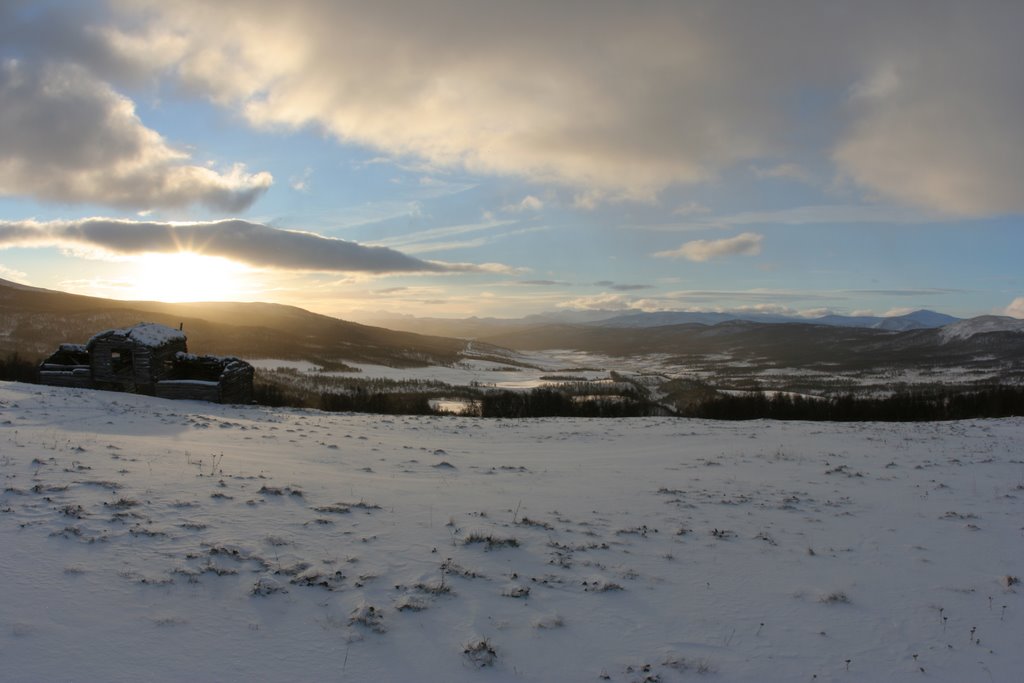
(494, 158)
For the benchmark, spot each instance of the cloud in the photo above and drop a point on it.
(600, 302)
(300, 183)
(898, 311)
(936, 123)
(684, 90)
(430, 240)
(915, 103)
(12, 274)
(621, 287)
(250, 243)
(679, 93)
(717, 301)
(528, 203)
(830, 214)
(906, 292)
(429, 235)
(1016, 308)
(690, 209)
(67, 136)
(745, 244)
(786, 170)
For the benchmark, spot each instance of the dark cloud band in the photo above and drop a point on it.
(251, 243)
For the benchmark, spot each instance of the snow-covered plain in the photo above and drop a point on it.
(468, 372)
(143, 539)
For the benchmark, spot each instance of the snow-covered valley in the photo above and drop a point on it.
(153, 540)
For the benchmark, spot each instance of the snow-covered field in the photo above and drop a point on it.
(143, 539)
(468, 372)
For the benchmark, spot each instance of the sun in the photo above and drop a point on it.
(186, 276)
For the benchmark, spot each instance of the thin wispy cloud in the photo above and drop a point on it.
(906, 292)
(434, 234)
(432, 240)
(817, 214)
(788, 170)
(745, 244)
(621, 287)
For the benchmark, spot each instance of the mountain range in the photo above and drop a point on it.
(33, 321)
(482, 327)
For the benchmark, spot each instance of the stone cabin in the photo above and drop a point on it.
(150, 359)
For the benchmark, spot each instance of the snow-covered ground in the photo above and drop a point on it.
(721, 371)
(143, 539)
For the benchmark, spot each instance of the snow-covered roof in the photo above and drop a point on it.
(152, 335)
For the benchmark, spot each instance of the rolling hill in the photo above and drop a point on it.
(33, 321)
(790, 345)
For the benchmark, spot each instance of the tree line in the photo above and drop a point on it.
(908, 406)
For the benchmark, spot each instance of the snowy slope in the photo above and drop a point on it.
(965, 329)
(153, 540)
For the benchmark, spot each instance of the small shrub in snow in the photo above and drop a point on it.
(434, 587)
(337, 509)
(277, 541)
(549, 621)
(516, 590)
(677, 663)
(411, 603)
(835, 597)
(492, 540)
(600, 585)
(123, 503)
(704, 666)
(311, 577)
(481, 652)
(526, 521)
(266, 585)
(369, 616)
(277, 491)
(76, 511)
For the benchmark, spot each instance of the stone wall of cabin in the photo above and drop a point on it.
(205, 378)
(145, 366)
(236, 382)
(56, 375)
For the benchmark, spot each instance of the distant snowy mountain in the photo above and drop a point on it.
(918, 320)
(965, 329)
(665, 318)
